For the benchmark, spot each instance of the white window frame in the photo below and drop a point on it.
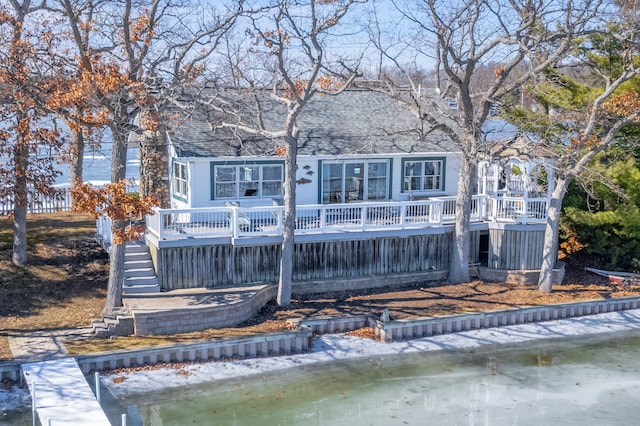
(436, 163)
(258, 184)
(180, 181)
(366, 179)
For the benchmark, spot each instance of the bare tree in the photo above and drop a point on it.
(462, 38)
(289, 56)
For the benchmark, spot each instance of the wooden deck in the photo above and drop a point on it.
(235, 246)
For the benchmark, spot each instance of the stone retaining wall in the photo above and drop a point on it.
(10, 370)
(424, 327)
(272, 344)
(298, 341)
(329, 325)
(186, 320)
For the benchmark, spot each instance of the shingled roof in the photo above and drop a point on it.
(355, 122)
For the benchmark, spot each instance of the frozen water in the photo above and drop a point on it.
(586, 380)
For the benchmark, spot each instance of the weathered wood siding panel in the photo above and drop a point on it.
(515, 249)
(220, 265)
(353, 258)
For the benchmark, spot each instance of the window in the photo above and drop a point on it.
(247, 180)
(179, 182)
(348, 181)
(423, 175)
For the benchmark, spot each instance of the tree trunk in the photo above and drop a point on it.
(116, 279)
(289, 226)
(20, 198)
(77, 157)
(550, 246)
(116, 251)
(459, 268)
(119, 153)
(19, 235)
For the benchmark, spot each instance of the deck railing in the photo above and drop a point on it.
(234, 221)
(517, 209)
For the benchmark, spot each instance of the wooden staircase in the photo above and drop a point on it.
(139, 274)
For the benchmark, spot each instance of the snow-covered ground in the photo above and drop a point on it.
(339, 347)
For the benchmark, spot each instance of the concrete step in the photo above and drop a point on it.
(140, 289)
(148, 278)
(137, 256)
(97, 323)
(113, 325)
(138, 263)
(145, 280)
(141, 284)
(139, 272)
(136, 247)
(101, 331)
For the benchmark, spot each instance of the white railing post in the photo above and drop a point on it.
(403, 215)
(482, 206)
(160, 222)
(494, 209)
(525, 213)
(124, 420)
(364, 210)
(323, 218)
(33, 403)
(234, 222)
(97, 376)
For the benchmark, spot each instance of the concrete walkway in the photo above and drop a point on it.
(45, 345)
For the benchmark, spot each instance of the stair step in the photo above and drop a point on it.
(138, 289)
(128, 257)
(135, 266)
(138, 260)
(136, 248)
(96, 323)
(101, 332)
(145, 280)
(139, 272)
(139, 267)
(123, 326)
(111, 324)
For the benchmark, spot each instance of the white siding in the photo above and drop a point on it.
(308, 169)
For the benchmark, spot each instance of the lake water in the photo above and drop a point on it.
(96, 168)
(587, 380)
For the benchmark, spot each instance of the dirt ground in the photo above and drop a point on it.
(65, 281)
(434, 299)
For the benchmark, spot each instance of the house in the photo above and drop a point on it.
(359, 146)
(375, 198)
